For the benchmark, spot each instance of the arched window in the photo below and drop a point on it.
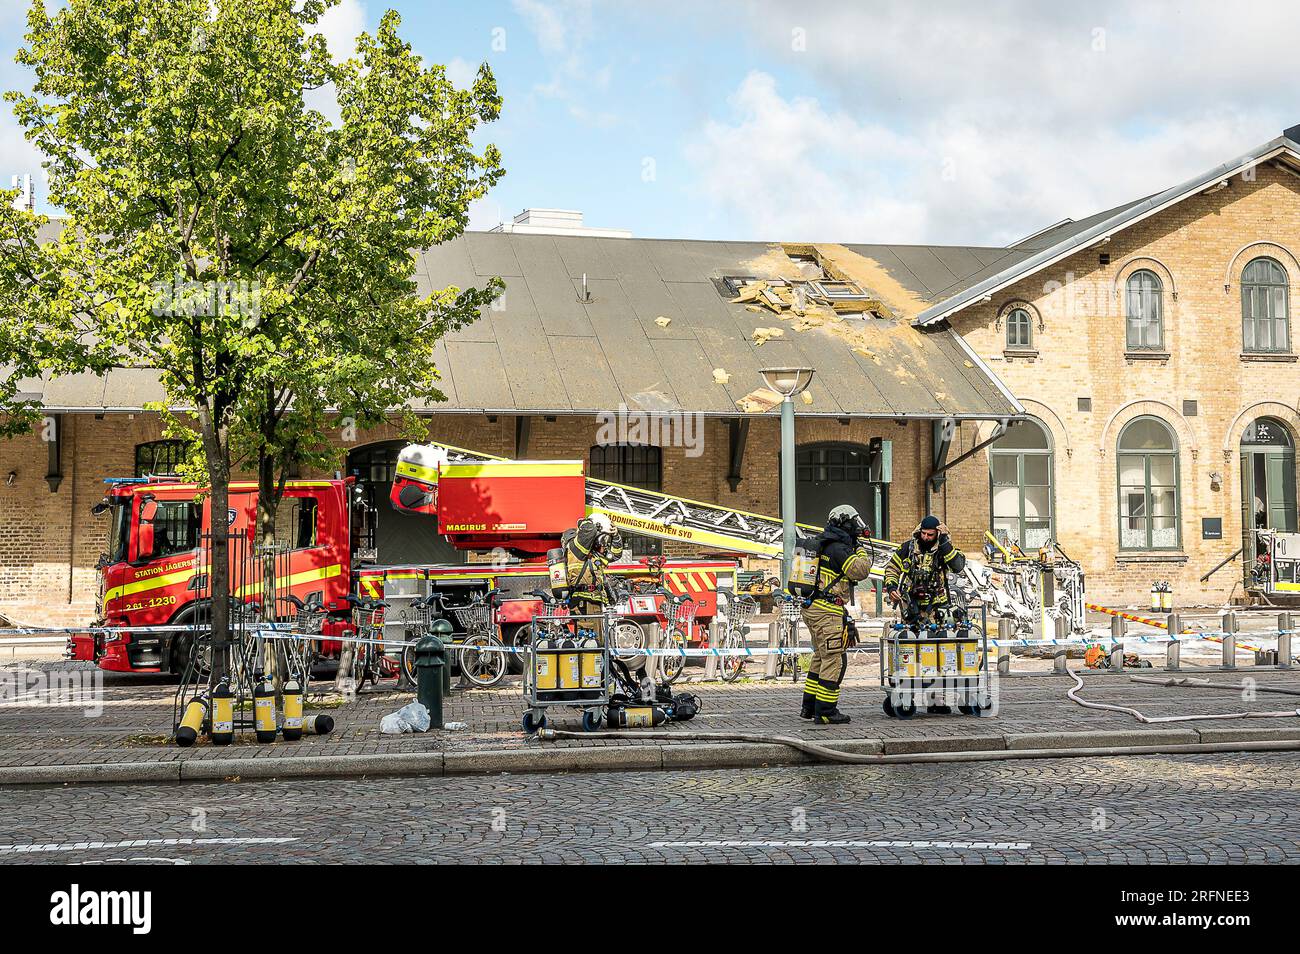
(1144, 310)
(1148, 486)
(1264, 307)
(1020, 468)
(159, 458)
(1020, 329)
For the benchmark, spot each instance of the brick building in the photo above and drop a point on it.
(1143, 357)
(1151, 347)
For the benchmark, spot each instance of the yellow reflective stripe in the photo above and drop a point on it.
(823, 604)
(418, 471)
(532, 468)
(296, 579)
(683, 534)
(152, 583)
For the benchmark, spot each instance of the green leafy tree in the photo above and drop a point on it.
(225, 234)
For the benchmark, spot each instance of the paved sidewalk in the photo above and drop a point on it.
(130, 738)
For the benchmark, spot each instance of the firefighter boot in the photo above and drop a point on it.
(827, 711)
(809, 707)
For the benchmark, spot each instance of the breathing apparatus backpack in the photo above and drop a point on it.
(644, 705)
(806, 567)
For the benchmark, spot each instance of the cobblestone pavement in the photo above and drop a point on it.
(1177, 809)
(135, 720)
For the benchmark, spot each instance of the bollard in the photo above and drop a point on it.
(1284, 640)
(1118, 628)
(1174, 648)
(1230, 640)
(711, 662)
(1060, 657)
(442, 629)
(1006, 631)
(773, 638)
(430, 662)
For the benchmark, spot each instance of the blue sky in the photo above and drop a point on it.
(851, 121)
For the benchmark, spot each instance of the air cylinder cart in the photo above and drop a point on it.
(568, 665)
(926, 662)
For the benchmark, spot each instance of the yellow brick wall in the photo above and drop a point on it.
(1081, 353)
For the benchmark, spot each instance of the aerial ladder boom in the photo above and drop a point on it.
(482, 501)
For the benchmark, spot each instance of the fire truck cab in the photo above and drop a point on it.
(157, 539)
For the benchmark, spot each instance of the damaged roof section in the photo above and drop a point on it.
(587, 324)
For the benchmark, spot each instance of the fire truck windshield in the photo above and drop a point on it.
(119, 520)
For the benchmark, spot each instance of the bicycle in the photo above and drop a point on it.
(676, 614)
(419, 616)
(790, 613)
(740, 609)
(368, 659)
(482, 654)
(302, 652)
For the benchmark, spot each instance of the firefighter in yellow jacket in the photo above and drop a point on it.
(917, 574)
(841, 562)
(588, 551)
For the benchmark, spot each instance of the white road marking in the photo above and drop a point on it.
(828, 843)
(138, 843)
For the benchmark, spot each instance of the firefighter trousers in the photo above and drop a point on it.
(829, 631)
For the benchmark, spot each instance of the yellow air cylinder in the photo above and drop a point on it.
(292, 711)
(593, 664)
(223, 715)
(546, 673)
(928, 658)
(948, 661)
(187, 732)
(968, 658)
(264, 711)
(318, 725)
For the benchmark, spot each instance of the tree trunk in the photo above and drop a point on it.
(219, 580)
(269, 492)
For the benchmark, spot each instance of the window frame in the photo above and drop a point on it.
(1019, 453)
(175, 453)
(1148, 497)
(599, 467)
(1158, 292)
(1013, 319)
(1251, 291)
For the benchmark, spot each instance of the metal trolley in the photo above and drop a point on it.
(931, 662)
(568, 666)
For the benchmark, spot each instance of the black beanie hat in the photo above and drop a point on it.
(930, 523)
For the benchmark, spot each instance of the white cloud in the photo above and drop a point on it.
(341, 25)
(961, 122)
(564, 31)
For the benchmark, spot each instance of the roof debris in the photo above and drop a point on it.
(663, 322)
(720, 376)
(806, 396)
(762, 335)
(759, 400)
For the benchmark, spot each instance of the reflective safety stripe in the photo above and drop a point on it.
(417, 471)
(151, 583)
(295, 579)
(509, 468)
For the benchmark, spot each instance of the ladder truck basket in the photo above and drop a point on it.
(935, 664)
(568, 665)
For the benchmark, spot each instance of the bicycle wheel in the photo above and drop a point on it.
(408, 670)
(730, 667)
(786, 662)
(672, 666)
(482, 667)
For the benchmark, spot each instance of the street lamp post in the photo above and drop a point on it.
(787, 382)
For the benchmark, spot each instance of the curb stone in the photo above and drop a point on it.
(675, 755)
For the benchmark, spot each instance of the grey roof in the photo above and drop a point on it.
(1051, 245)
(546, 350)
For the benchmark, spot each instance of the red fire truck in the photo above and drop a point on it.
(509, 512)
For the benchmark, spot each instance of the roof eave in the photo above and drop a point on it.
(984, 290)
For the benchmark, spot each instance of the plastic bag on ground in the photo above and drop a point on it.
(413, 717)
